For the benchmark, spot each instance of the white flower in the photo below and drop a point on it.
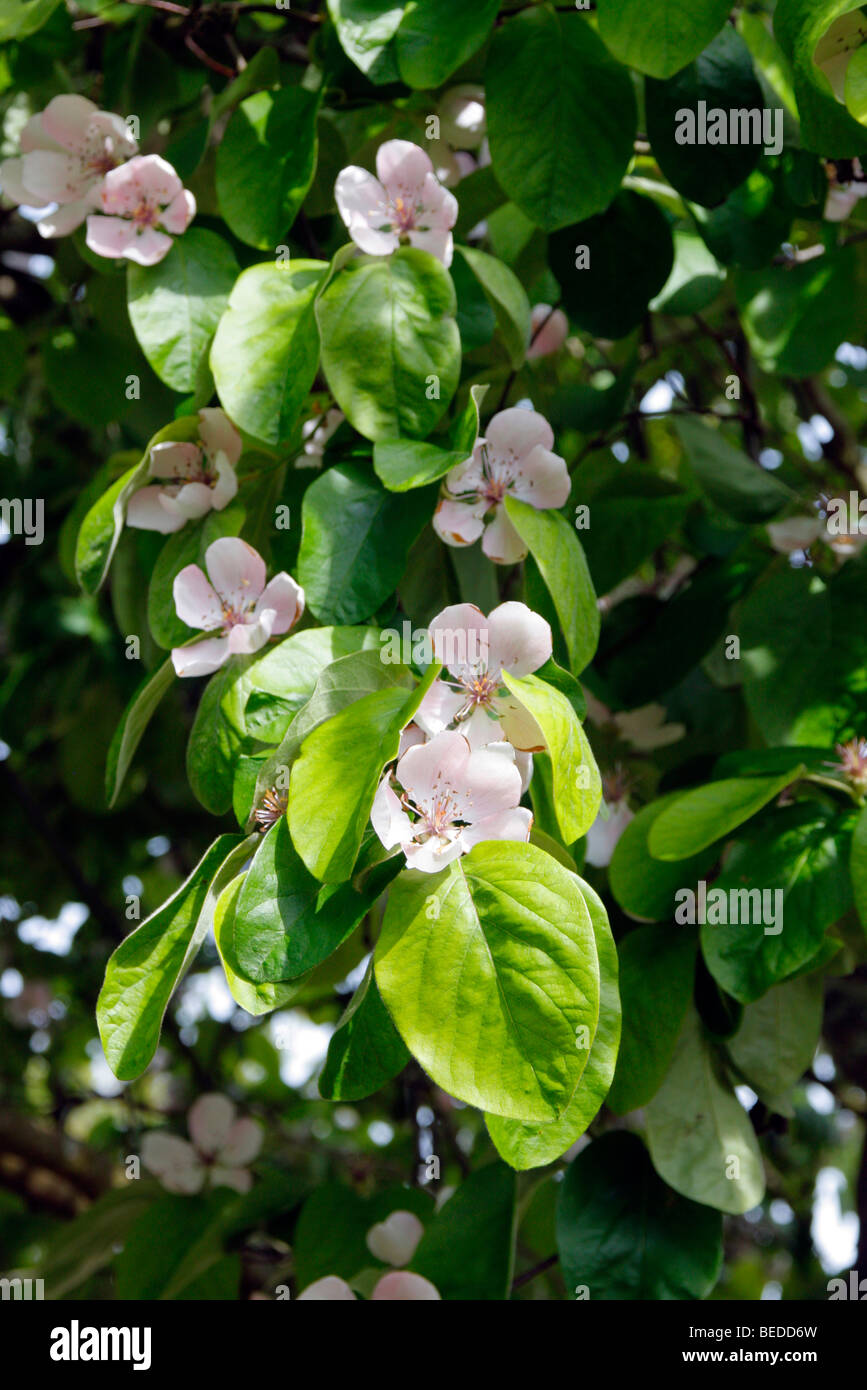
(406, 203)
(221, 1147)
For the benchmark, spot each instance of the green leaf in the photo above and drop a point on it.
(633, 512)
(800, 854)
(145, 1267)
(467, 1251)
(266, 349)
(856, 85)
(501, 945)
(643, 886)
(76, 1250)
(255, 999)
(506, 296)
(355, 542)
(698, 818)
(800, 26)
(402, 464)
(699, 1135)
(391, 348)
(628, 258)
(657, 966)
(17, 20)
(174, 307)
(732, 481)
(622, 1234)
(695, 280)
(146, 967)
(100, 530)
(577, 784)
(289, 672)
(659, 41)
(214, 745)
(365, 29)
(557, 551)
(554, 177)
(535, 1145)
(858, 866)
(265, 164)
(129, 731)
(286, 923)
(338, 773)
(778, 1037)
(723, 78)
(796, 317)
(436, 36)
(365, 1050)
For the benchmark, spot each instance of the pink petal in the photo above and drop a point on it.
(145, 512)
(549, 330)
(434, 855)
(410, 737)
(210, 1122)
(459, 523)
(514, 432)
(427, 770)
(179, 213)
(54, 177)
(458, 633)
(508, 825)
(237, 572)
(436, 243)
(399, 1286)
(501, 542)
(173, 1161)
(328, 1290)
(201, 658)
(403, 168)
(490, 784)
(246, 638)
(149, 175)
(65, 218)
(394, 1240)
(469, 475)
(440, 206)
(543, 480)
(285, 598)
(122, 189)
(175, 459)
(437, 710)
(196, 602)
(363, 204)
(35, 137)
(388, 818)
(192, 500)
(114, 130)
(148, 247)
(12, 183)
(218, 434)
(109, 236)
(66, 119)
(243, 1144)
(237, 1178)
(520, 640)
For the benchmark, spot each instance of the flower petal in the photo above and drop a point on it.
(175, 459)
(54, 177)
(243, 1144)
(605, 831)
(436, 241)
(145, 512)
(549, 329)
(437, 710)
(173, 1161)
(246, 638)
(459, 523)
(196, 602)
(12, 183)
(179, 213)
(491, 784)
(431, 769)
(394, 1240)
(148, 247)
(201, 658)
(210, 1122)
(543, 479)
(218, 434)
(363, 204)
(514, 824)
(236, 570)
(285, 598)
(66, 119)
(435, 854)
(240, 1179)
(514, 432)
(519, 639)
(328, 1290)
(403, 168)
(388, 818)
(399, 1286)
(65, 218)
(460, 638)
(501, 542)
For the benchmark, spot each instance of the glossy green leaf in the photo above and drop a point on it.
(506, 296)
(657, 966)
(366, 1050)
(255, 999)
(698, 818)
(175, 306)
(659, 41)
(577, 783)
(436, 36)
(643, 886)
(130, 730)
(622, 1234)
(501, 946)
(467, 1250)
(778, 1036)
(733, 482)
(555, 547)
(266, 349)
(265, 164)
(365, 29)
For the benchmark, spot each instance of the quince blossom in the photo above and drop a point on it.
(221, 1147)
(394, 1240)
(475, 651)
(142, 201)
(202, 476)
(398, 1286)
(452, 799)
(234, 604)
(549, 329)
(514, 456)
(66, 152)
(406, 203)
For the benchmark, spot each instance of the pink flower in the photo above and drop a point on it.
(549, 329)
(221, 1148)
(394, 1241)
(406, 203)
(137, 200)
(605, 831)
(202, 476)
(452, 799)
(475, 651)
(66, 152)
(236, 604)
(513, 457)
(394, 1287)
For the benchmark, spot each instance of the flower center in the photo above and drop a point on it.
(146, 214)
